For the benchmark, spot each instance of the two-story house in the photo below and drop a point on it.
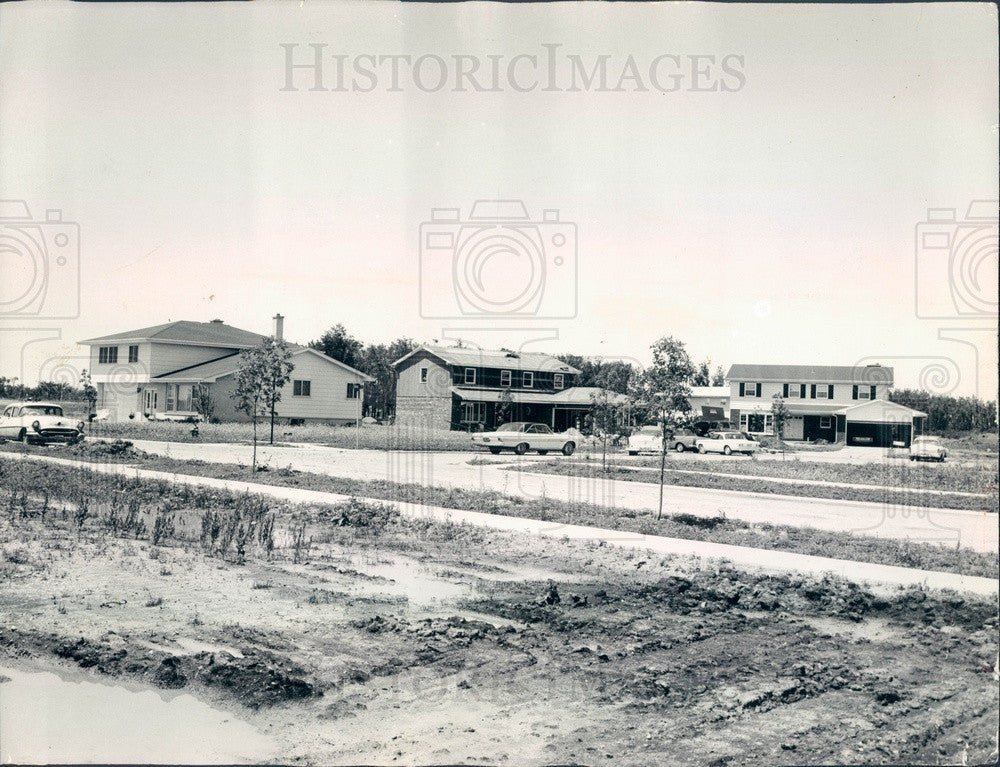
(830, 402)
(160, 372)
(466, 388)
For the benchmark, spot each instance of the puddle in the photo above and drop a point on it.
(419, 583)
(50, 718)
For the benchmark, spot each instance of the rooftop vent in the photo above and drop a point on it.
(217, 322)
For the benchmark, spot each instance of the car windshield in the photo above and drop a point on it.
(42, 410)
(927, 440)
(512, 427)
(649, 430)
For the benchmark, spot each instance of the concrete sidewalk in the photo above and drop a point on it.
(762, 559)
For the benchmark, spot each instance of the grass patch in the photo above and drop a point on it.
(897, 490)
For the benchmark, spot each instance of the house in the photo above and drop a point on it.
(160, 371)
(465, 388)
(833, 403)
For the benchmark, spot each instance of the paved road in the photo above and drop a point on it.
(760, 559)
(975, 530)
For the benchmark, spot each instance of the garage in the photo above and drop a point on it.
(881, 423)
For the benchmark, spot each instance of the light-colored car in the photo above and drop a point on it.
(645, 439)
(522, 436)
(726, 442)
(927, 449)
(39, 423)
(649, 439)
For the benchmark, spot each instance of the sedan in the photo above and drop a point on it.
(928, 449)
(39, 423)
(726, 442)
(649, 439)
(522, 436)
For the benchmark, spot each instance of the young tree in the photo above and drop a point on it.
(262, 371)
(607, 413)
(89, 392)
(202, 401)
(504, 410)
(719, 377)
(663, 389)
(703, 374)
(779, 416)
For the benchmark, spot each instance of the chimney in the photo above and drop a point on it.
(279, 327)
(216, 322)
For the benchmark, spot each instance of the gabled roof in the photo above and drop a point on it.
(880, 411)
(852, 374)
(187, 332)
(488, 358)
(209, 372)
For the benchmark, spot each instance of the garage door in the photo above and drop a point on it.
(879, 434)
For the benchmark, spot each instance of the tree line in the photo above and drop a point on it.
(947, 413)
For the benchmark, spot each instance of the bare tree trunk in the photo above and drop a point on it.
(253, 467)
(663, 464)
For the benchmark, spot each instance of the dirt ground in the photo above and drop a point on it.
(436, 643)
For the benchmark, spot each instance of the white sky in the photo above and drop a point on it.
(771, 224)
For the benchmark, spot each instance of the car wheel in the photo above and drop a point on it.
(633, 452)
(568, 448)
(701, 449)
(495, 450)
(913, 458)
(679, 447)
(543, 452)
(22, 436)
(521, 448)
(726, 450)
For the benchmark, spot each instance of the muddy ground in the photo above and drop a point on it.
(430, 643)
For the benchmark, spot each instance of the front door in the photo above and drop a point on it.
(149, 405)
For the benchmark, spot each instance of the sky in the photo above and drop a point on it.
(758, 187)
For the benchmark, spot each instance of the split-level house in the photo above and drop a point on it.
(466, 388)
(829, 402)
(160, 371)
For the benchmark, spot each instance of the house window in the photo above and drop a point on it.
(757, 423)
(864, 394)
(822, 392)
(423, 375)
(749, 389)
(107, 355)
(505, 378)
(353, 390)
(302, 388)
(133, 354)
(793, 391)
(825, 422)
(470, 375)
(473, 412)
(527, 379)
(558, 381)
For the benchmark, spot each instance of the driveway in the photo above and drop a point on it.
(473, 471)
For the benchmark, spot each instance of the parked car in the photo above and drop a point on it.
(522, 436)
(927, 449)
(726, 442)
(645, 439)
(39, 423)
(649, 439)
